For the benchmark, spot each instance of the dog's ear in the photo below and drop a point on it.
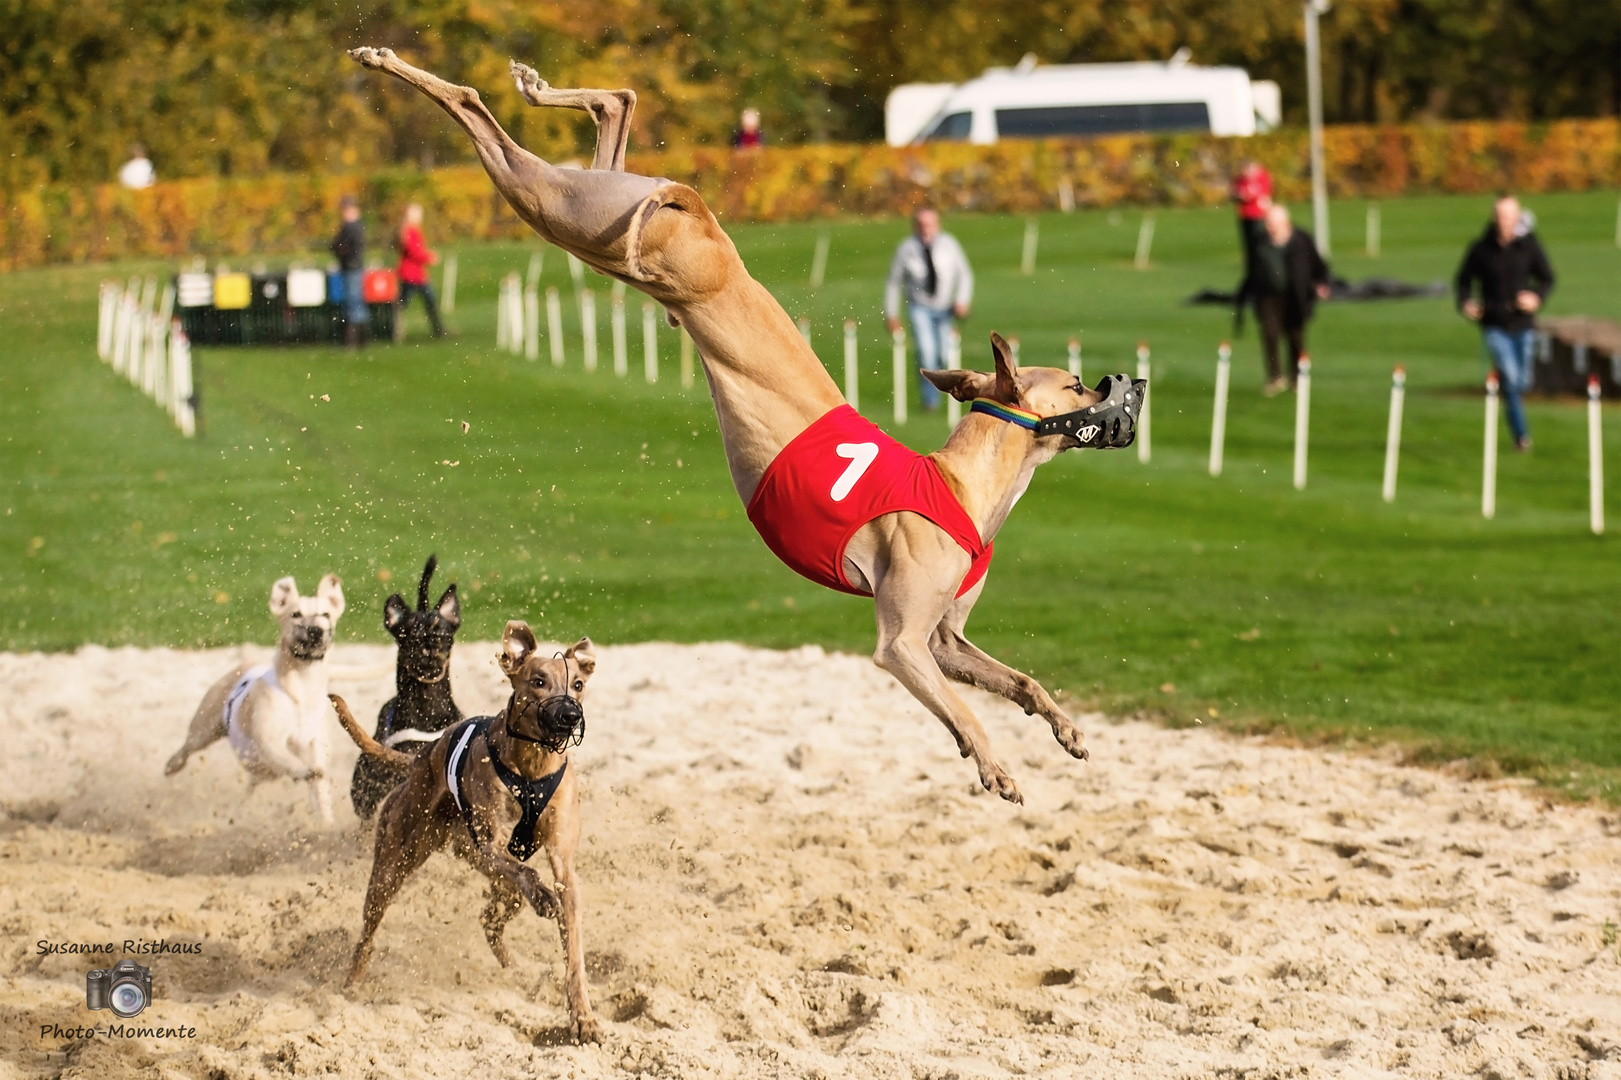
(331, 591)
(584, 654)
(450, 609)
(962, 385)
(1007, 372)
(395, 612)
(516, 645)
(283, 597)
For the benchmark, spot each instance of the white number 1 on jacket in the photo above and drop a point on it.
(861, 455)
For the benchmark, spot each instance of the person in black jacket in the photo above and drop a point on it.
(1515, 279)
(1285, 279)
(349, 246)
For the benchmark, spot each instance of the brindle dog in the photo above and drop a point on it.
(456, 793)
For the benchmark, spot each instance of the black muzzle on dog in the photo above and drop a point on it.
(1111, 424)
(561, 722)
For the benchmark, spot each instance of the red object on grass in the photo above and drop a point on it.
(380, 287)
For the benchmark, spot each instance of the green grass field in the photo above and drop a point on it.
(592, 505)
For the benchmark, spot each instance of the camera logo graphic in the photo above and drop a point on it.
(125, 988)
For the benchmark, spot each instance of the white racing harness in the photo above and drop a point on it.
(246, 751)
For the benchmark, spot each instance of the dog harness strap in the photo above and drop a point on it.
(532, 796)
(246, 752)
(461, 738)
(836, 476)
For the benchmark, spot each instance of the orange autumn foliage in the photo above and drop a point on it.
(280, 213)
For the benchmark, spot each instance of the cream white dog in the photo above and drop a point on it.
(277, 716)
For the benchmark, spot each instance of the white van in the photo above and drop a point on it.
(1031, 101)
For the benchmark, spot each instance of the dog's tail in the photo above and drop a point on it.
(427, 575)
(368, 745)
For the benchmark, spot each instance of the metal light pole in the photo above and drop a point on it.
(1314, 102)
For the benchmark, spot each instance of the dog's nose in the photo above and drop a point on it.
(562, 714)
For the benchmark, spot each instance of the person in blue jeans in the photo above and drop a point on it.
(1515, 279)
(932, 270)
(349, 246)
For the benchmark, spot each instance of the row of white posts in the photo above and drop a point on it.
(1398, 394)
(137, 334)
(517, 324)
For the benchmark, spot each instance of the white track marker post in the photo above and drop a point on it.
(1371, 233)
(154, 377)
(616, 304)
(531, 319)
(503, 321)
(650, 342)
(1145, 450)
(135, 331)
(172, 405)
(1075, 356)
(120, 345)
(1302, 420)
(824, 239)
(517, 335)
(588, 327)
(576, 271)
(1013, 347)
(852, 367)
(897, 350)
(104, 321)
(1032, 237)
(185, 395)
(447, 285)
(1595, 457)
(1398, 395)
(687, 374)
(1218, 409)
(554, 324)
(1066, 195)
(953, 363)
(804, 330)
(1488, 480)
(537, 264)
(1145, 241)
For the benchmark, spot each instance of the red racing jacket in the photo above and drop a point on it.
(836, 476)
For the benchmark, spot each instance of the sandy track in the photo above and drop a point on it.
(788, 873)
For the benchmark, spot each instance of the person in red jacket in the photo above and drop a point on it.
(1252, 192)
(415, 258)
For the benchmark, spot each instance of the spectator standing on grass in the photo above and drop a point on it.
(748, 135)
(415, 258)
(350, 248)
(1252, 193)
(1515, 279)
(137, 172)
(933, 271)
(1286, 278)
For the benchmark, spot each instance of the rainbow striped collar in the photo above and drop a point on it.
(1021, 417)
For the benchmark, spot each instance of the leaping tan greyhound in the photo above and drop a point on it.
(922, 552)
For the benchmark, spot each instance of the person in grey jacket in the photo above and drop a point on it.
(932, 270)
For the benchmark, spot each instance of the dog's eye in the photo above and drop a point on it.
(578, 686)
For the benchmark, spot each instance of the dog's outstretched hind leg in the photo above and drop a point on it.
(509, 165)
(611, 109)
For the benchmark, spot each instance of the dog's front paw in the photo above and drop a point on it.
(366, 56)
(587, 1029)
(1001, 784)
